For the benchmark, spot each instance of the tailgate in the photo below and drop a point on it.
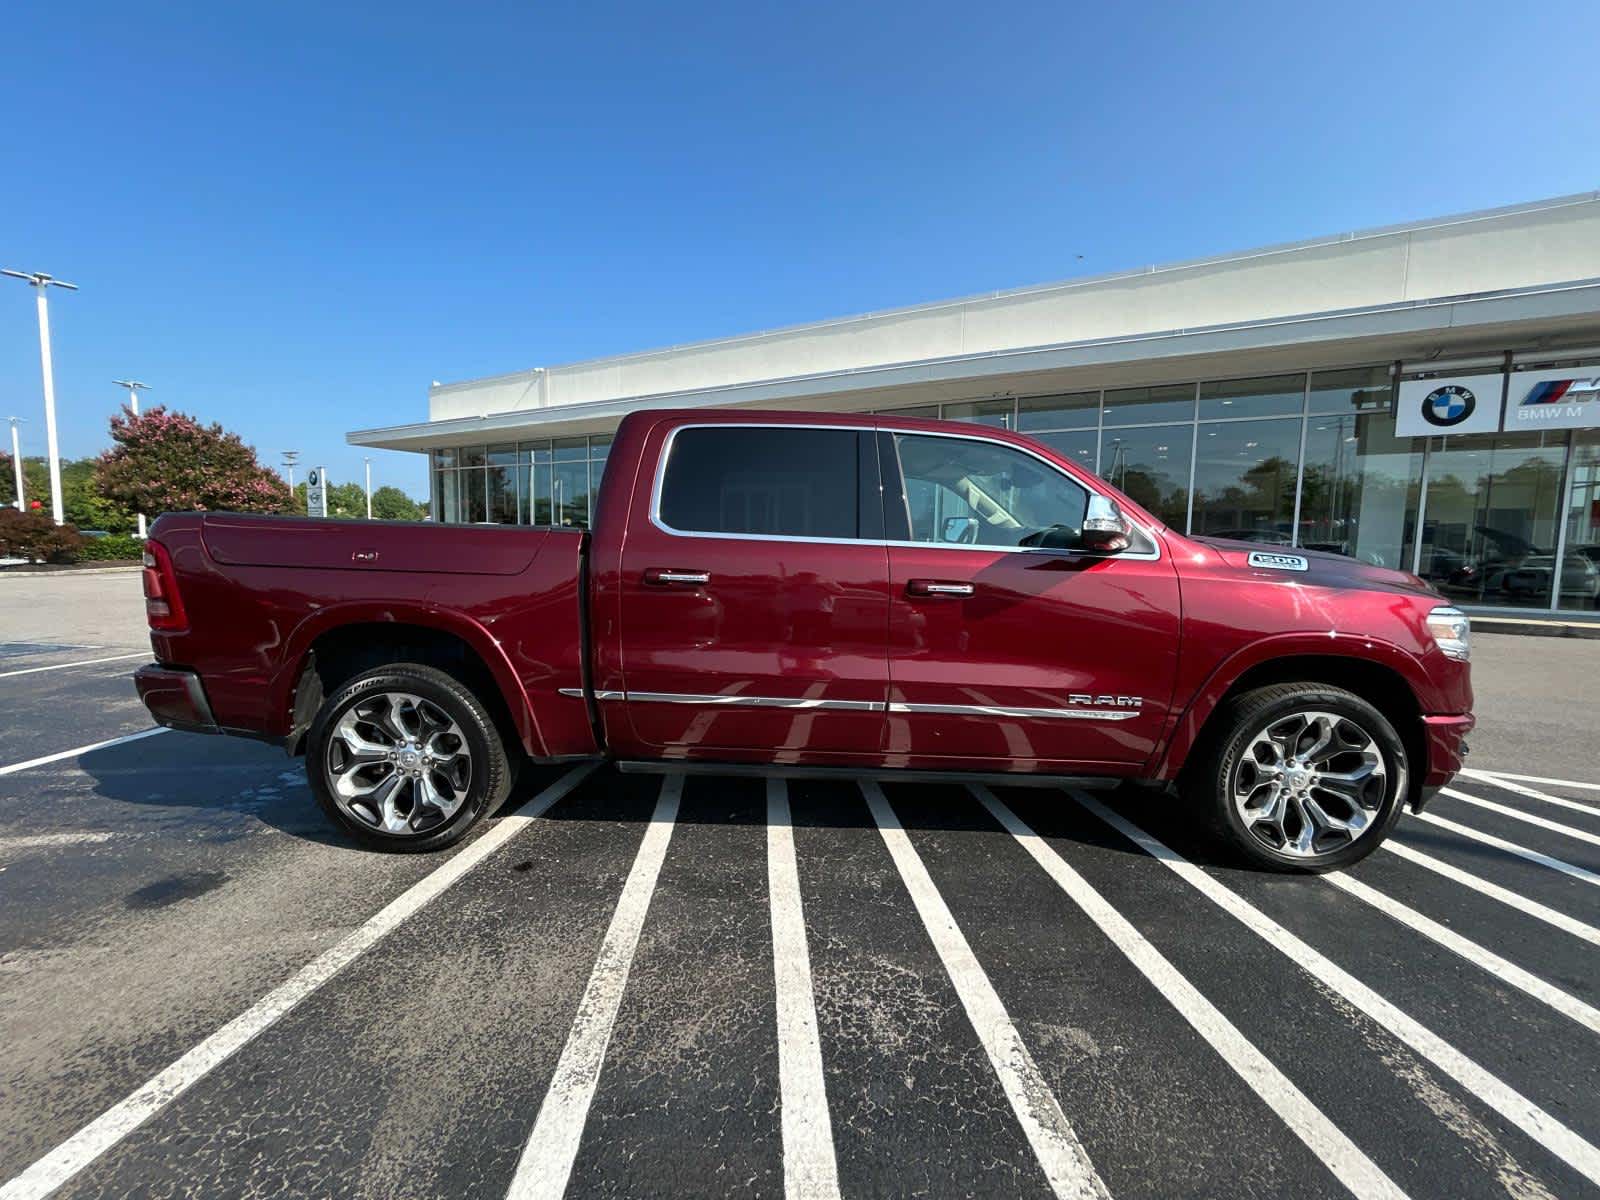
(414, 547)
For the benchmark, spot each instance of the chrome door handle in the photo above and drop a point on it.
(660, 575)
(935, 587)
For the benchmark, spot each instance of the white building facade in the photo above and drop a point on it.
(1423, 396)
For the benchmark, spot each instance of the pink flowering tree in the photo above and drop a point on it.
(168, 462)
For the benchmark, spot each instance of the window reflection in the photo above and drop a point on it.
(1244, 478)
(1152, 466)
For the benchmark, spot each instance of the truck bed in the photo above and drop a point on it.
(261, 591)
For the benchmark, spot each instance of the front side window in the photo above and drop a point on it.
(962, 492)
(762, 480)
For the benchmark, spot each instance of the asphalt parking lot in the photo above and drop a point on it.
(637, 985)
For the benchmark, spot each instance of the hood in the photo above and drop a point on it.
(1319, 568)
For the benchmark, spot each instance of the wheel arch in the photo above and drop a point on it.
(1378, 676)
(336, 645)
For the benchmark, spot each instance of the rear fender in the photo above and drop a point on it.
(477, 638)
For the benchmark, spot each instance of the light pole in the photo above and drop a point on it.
(290, 457)
(134, 388)
(16, 459)
(41, 283)
(368, 461)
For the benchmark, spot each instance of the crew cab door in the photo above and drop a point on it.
(754, 594)
(1008, 647)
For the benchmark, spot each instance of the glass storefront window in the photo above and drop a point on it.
(571, 500)
(474, 499)
(1492, 517)
(1360, 486)
(1580, 570)
(444, 458)
(1152, 466)
(1244, 479)
(1274, 396)
(502, 495)
(1141, 406)
(1080, 410)
(997, 414)
(1363, 390)
(928, 411)
(449, 493)
(1076, 445)
(471, 456)
(571, 449)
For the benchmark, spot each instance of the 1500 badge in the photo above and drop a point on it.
(1278, 562)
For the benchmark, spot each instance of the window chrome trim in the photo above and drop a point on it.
(666, 455)
(998, 710)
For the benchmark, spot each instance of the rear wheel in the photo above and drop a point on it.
(404, 757)
(1305, 777)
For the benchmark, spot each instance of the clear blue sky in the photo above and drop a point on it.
(290, 217)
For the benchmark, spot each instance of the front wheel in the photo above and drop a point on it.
(404, 757)
(1305, 777)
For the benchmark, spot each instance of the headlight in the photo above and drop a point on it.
(1453, 632)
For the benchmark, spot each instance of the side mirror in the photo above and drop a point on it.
(1105, 529)
(961, 529)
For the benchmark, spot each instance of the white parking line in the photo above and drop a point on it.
(552, 1147)
(1056, 1146)
(77, 750)
(85, 662)
(1533, 793)
(118, 1121)
(1516, 814)
(1567, 1145)
(1494, 891)
(809, 1168)
(47, 841)
(1502, 969)
(1359, 1174)
(1545, 779)
(1488, 839)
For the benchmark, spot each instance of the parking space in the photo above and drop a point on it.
(668, 985)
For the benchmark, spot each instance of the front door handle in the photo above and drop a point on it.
(937, 587)
(668, 577)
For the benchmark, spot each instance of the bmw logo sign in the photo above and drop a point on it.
(1447, 406)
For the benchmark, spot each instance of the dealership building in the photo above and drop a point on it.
(1423, 396)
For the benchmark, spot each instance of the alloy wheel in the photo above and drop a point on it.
(1309, 783)
(398, 763)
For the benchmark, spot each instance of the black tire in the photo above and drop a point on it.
(475, 791)
(1377, 801)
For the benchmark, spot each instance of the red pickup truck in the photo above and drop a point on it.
(817, 593)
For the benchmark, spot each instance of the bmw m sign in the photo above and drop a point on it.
(1430, 407)
(1567, 399)
(1553, 399)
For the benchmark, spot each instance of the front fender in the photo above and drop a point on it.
(1354, 646)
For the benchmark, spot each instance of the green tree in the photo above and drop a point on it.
(165, 461)
(391, 504)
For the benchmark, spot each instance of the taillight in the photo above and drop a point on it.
(163, 607)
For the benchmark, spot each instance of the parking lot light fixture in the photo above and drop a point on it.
(290, 457)
(16, 459)
(134, 388)
(368, 462)
(41, 284)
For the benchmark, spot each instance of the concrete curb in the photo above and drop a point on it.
(69, 572)
(1530, 627)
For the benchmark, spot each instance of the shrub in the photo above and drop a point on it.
(116, 547)
(34, 536)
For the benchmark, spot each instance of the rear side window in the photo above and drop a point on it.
(763, 481)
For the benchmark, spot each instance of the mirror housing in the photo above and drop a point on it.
(1105, 529)
(958, 529)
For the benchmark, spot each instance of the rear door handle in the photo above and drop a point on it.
(937, 587)
(667, 577)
